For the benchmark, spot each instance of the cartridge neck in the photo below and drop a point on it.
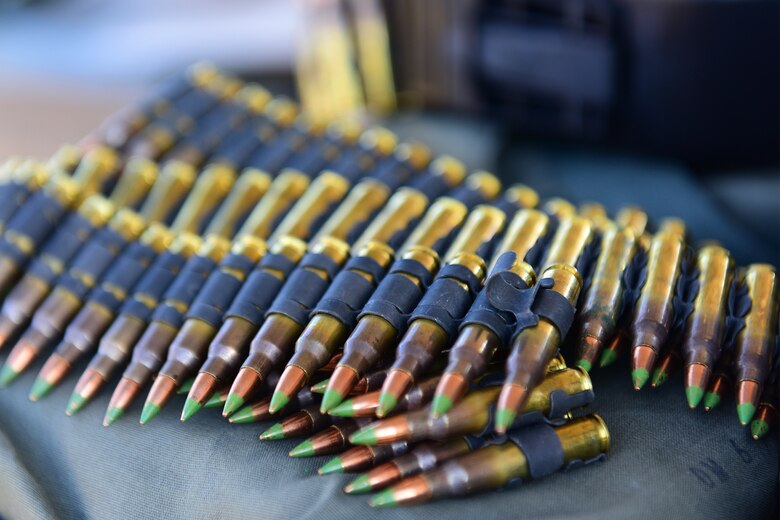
(401, 210)
(482, 225)
(440, 220)
(361, 203)
(527, 228)
(287, 188)
(325, 191)
(246, 192)
(569, 242)
(135, 182)
(175, 179)
(93, 170)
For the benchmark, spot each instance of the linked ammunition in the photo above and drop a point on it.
(190, 343)
(24, 179)
(534, 346)
(435, 318)
(159, 136)
(265, 351)
(85, 272)
(166, 318)
(603, 302)
(115, 345)
(472, 415)
(329, 324)
(242, 288)
(244, 314)
(175, 302)
(484, 328)
(654, 312)
(38, 217)
(105, 301)
(383, 316)
(752, 348)
(496, 465)
(345, 374)
(703, 331)
(117, 129)
(60, 249)
(68, 239)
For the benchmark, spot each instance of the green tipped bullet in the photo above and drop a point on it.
(148, 413)
(334, 465)
(584, 364)
(233, 403)
(360, 485)
(745, 413)
(331, 399)
(184, 389)
(215, 401)
(383, 499)
(274, 433)
(7, 375)
(694, 395)
(639, 377)
(278, 401)
(711, 400)
(39, 389)
(660, 377)
(607, 358)
(304, 449)
(76, 403)
(441, 405)
(758, 428)
(191, 407)
(504, 418)
(320, 387)
(112, 414)
(387, 403)
(243, 416)
(343, 410)
(365, 436)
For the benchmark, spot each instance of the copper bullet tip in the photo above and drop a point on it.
(450, 389)
(642, 361)
(292, 380)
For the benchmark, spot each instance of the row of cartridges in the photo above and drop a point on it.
(213, 241)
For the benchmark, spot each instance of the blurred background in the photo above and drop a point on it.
(671, 105)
